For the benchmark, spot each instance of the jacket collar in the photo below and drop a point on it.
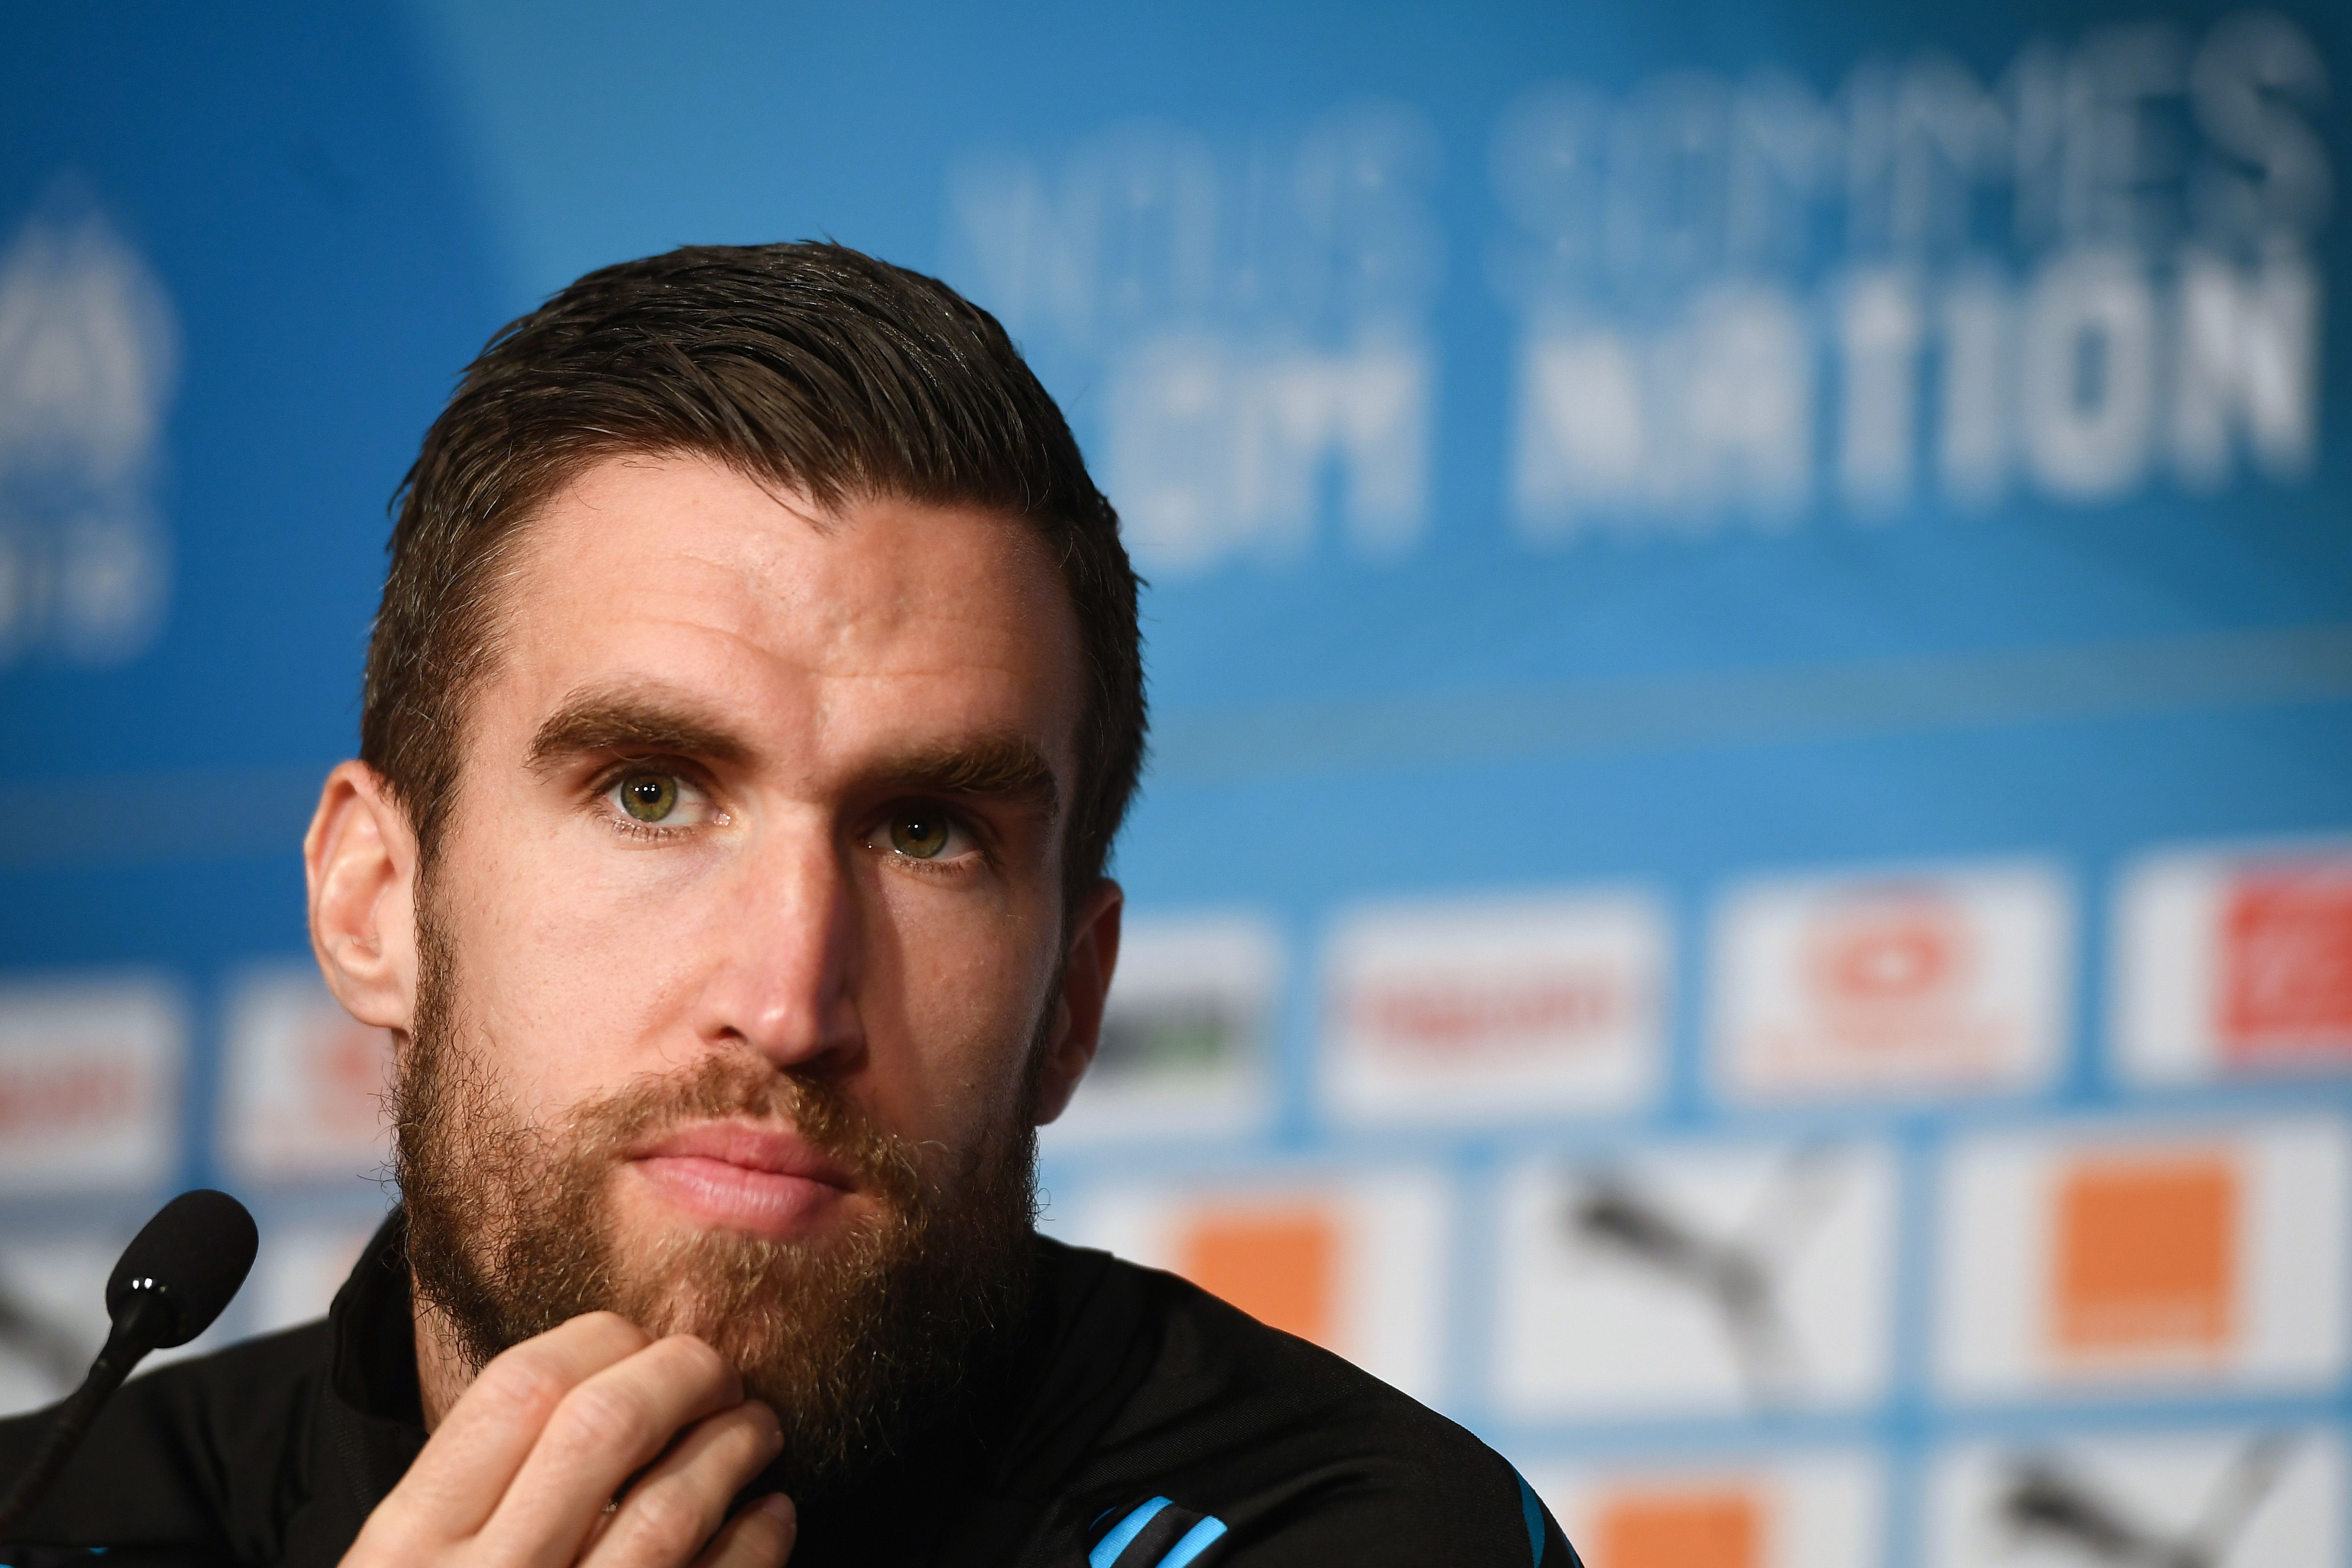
(374, 1324)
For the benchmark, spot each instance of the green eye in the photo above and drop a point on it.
(920, 833)
(650, 797)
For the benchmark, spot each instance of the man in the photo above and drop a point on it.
(755, 698)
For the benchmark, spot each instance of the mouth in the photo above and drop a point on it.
(763, 1181)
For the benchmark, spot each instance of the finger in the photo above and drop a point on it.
(762, 1536)
(674, 1508)
(465, 1469)
(601, 1434)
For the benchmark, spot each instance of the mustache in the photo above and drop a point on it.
(729, 1086)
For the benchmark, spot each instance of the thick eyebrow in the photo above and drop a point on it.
(632, 720)
(652, 723)
(1005, 767)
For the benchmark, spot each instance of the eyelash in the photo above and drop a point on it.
(628, 826)
(983, 852)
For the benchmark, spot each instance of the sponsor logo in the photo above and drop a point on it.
(2234, 963)
(1187, 1032)
(2074, 1261)
(1720, 1527)
(2287, 966)
(2245, 1499)
(1805, 1510)
(2147, 1254)
(1280, 1265)
(1937, 982)
(1697, 1280)
(1354, 1263)
(1500, 1008)
(90, 1077)
(305, 1082)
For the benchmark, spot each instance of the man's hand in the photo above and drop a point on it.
(524, 1468)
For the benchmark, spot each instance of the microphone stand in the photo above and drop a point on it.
(147, 1318)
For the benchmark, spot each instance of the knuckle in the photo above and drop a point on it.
(667, 1521)
(523, 1381)
(745, 1442)
(599, 1415)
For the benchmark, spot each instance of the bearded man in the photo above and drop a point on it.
(755, 699)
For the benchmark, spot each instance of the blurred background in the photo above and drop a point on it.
(1747, 877)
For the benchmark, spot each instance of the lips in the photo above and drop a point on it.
(762, 1181)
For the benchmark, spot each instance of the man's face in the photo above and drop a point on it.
(746, 925)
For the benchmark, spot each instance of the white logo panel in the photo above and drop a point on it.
(53, 1304)
(2233, 964)
(1817, 1511)
(1187, 1036)
(1355, 1263)
(1698, 1281)
(1504, 1008)
(306, 1081)
(2209, 1256)
(300, 1268)
(1891, 985)
(89, 1086)
(53, 1310)
(2267, 1498)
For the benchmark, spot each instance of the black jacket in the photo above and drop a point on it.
(1142, 1423)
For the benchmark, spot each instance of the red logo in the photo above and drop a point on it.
(52, 1098)
(1445, 1016)
(352, 1062)
(2285, 990)
(1888, 975)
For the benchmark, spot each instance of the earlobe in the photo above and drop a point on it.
(359, 859)
(1085, 983)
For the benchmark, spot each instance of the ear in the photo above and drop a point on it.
(1078, 1015)
(360, 859)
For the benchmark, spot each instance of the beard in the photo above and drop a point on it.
(857, 1341)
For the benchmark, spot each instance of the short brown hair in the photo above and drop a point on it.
(807, 365)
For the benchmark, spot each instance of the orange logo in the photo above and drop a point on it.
(1715, 1528)
(2286, 989)
(1278, 1264)
(2148, 1255)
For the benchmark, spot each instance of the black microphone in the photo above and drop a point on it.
(174, 1279)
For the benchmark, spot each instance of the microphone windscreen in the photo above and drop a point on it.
(195, 1252)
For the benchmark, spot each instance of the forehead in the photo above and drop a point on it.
(890, 620)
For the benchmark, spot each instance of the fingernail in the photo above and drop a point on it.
(778, 1507)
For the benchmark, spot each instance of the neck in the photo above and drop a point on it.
(442, 1371)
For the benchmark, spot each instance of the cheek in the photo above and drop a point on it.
(965, 990)
(564, 971)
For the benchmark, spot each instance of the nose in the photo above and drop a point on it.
(785, 950)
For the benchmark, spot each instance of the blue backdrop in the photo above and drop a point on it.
(1750, 631)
